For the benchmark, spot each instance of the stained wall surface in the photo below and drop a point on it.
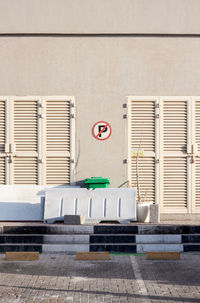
(100, 71)
(100, 52)
(100, 16)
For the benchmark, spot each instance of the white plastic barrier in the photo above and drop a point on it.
(101, 204)
(22, 202)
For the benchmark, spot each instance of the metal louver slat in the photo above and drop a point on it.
(58, 125)
(197, 183)
(175, 126)
(2, 126)
(58, 170)
(175, 182)
(197, 160)
(26, 170)
(2, 170)
(146, 178)
(25, 125)
(143, 125)
(197, 123)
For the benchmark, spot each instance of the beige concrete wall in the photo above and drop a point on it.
(100, 73)
(100, 16)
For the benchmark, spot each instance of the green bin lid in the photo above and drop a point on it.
(97, 180)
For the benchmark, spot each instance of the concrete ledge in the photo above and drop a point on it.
(144, 248)
(61, 248)
(65, 239)
(22, 256)
(158, 239)
(93, 256)
(163, 255)
(70, 229)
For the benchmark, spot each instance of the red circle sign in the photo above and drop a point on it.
(102, 130)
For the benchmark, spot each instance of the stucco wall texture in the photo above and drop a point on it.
(100, 72)
(100, 16)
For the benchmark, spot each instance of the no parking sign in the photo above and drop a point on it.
(101, 130)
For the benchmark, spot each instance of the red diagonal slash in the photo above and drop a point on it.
(101, 131)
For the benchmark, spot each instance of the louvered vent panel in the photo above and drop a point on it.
(197, 181)
(197, 123)
(175, 126)
(58, 170)
(25, 170)
(175, 182)
(58, 125)
(2, 126)
(2, 170)
(25, 125)
(143, 125)
(146, 170)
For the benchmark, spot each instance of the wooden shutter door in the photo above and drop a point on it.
(196, 154)
(59, 140)
(176, 163)
(142, 140)
(24, 140)
(3, 148)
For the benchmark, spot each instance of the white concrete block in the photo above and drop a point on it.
(143, 248)
(154, 213)
(74, 219)
(117, 204)
(66, 239)
(61, 248)
(158, 239)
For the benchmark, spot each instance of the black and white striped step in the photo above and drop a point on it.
(113, 238)
(101, 229)
(98, 238)
(125, 247)
(46, 229)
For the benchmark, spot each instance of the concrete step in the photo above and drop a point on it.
(45, 248)
(159, 239)
(21, 238)
(116, 229)
(154, 247)
(66, 239)
(112, 238)
(133, 229)
(47, 229)
(191, 238)
(148, 229)
(132, 238)
(61, 248)
(42, 229)
(191, 247)
(20, 247)
(125, 247)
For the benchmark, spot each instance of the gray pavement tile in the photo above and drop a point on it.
(60, 279)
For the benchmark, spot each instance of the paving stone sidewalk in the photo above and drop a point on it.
(58, 278)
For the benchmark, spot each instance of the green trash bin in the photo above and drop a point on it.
(97, 182)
